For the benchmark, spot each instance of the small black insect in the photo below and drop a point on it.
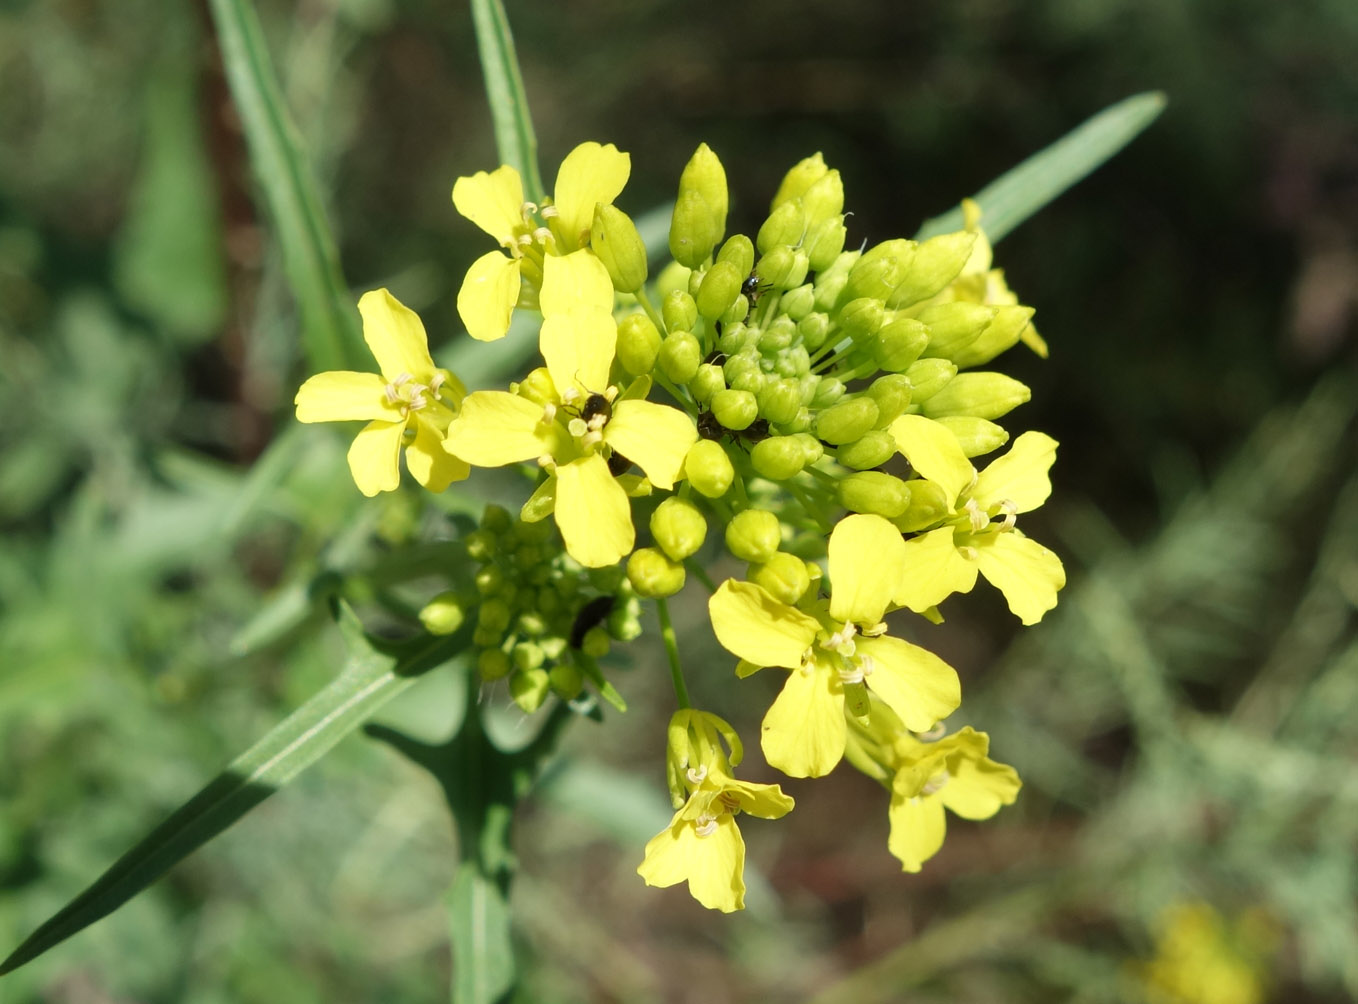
(750, 289)
(596, 404)
(591, 615)
(618, 464)
(710, 428)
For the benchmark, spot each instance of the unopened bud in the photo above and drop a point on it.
(777, 266)
(802, 176)
(861, 318)
(778, 458)
(880, 271)
(784, 227)
(735, 409)
(783, 575)
(537, 387)
(936, 263)
(653, 575)
(892, 394)
(780, 400)
(529, 689)
(679, 311)
(739, 251)
(527, 655)
(614, 239)
(638, 344)
(753, 535)
(443, 614)
(824, 200)
(953, 327)
(846, 421)
(680, 356)
(928, 377)
(708, 469)
(814, 329)
(824, 242)
(797, 303)
(928, 505)
(999, 336)
(492, 664)
(706, 382)
(828, 391)
(976, 436)
(704, 174)
(566, 680)
(875, 493)
(678, 527)
(873, 450)
(721, 286)
(694, 229)
(980, 395)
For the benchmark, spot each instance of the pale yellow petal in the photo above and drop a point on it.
(493, 201)
(1020, 476)
(578, 349)
(1028, 574)
(977, 789)
(804, 732)
(430, 464)
(396, 337)
(593, 512)
(655, 437)
(590, 174)
(751, 624)
(933, 571)
(488, 294)
(374, 457)
(575, 282)
(867, 558)
(913, 682)
(495, 428)
(918, 827)
(343, 396)
(934, 452)
(764, 800)
(665, 863)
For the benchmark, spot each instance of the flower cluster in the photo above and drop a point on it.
(822, 406)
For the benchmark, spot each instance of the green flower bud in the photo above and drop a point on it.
(533, 533)
(898, 344)
(481, 546)
(532, 623)
(928, 377)
(875, 493)
(737, 312)
(597, 642)
(784, 575)
(484, 637)
(496, 519)
(735, 409)
(829, 289)
(802, 176)
(624, 623)
(678, 527)
(828, 391)
(735, 337)
(814, 329)
(489, 580)
(954, 326)
(928, 505)
(614, 240)
(780, 400)
(753, 535)
(492, 664)
(708, 469)
(443, 614)
(549, 601)
(793, 362)
(653, 575)
(824, 199)
(801, 264)
(976, 436)
(861, 318)
(494, 615)
(785, 226)
(873, 450)
(812, 448)
(706, 382)
(679, 311)
(529, 689)
(797, 303)
(566, 680)
(777, 266)
(694, 229)
(537, 386)
(935, 263)
(721, 286)
(880, 271)
(778, 458)
(739, 251)
(704, 174)
(778, 335)
(846, 421)
(892, 394)
(751, 381)
(799, 423)
(824, 242)
(680, 356)
(526, 655)
(743, 362)
(553, 648)
(980, 395)
(638, 344)
(999, 336)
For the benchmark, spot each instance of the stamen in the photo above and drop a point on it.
(528, 209)
(436, 383)
(968, 552)
(696, 775)
(1010, 510)
(851, 672)
(570, 395)
(524, 240)
(547, 462)
(417, 401)
(549, 212)
(598, 422)
(544, 236)
(611, 393)
(390, 392)
(590, 439)
(705, 825)
(877, 630)
(577, 427)
(933, 735)
(548, 413)
(935, 783)
(979, 520)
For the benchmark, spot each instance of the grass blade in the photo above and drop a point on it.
(513, 123)
(1014, 196)
(330, 330)
(370, 678)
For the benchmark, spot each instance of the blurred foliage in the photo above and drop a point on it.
(1184, 722)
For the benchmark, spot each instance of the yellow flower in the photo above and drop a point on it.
(411, 403)
(1202, 958)
(978, 533)
(702, 845)
(953, 773)
(494, 201)
(836, 653)
(580, 421)
(979, 283)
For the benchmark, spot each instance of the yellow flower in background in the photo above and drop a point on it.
(980, 283)
(837, 653)
(411, 403)
(591, 174)
(579, 422)
(976, 531)
(1201, 958)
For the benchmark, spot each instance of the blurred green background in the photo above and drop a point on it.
(1186, 721)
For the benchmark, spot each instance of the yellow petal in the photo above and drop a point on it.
(574, 282)
(867, 558)
(977, 788)
(487, 297)
(750, 623)
(578, 349)
(374, 457)
(933, 571)
(764, 800)
(396, 337)
(593, 512)
(343, 396)
(430, 464)
(494, 201)
(913, 682)
(713, 865)
(804, 732)
(590, 174)
(495, 428)
(655, 437)
(1027, 573)
(918, 827)
(934, 452)
(1020, 476)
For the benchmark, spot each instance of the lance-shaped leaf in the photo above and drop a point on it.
(514, 137)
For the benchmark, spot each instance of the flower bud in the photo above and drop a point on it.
(678, 527)
(892, 394)
(875, 493)
(812, 448)
(742, 363)
(735, 337)
(680, 355)
(861, 318)
(624, 623)
(976, 436)
(679, 311)
(846, 421)
(736, 312)
(526, 655)
(707, 382)
(801, 423)
(829, 288)
(704, 174)
(638, 344)
(814, 329)
(828, 391)
(797, 303)
(778, 335)
(778, 458)
(492, 664)
(999, 336)
(777, 266)
(873, 450)
(694, 229)
(537, 387)
(653, 575)
(596, 642)
(529, 689)
(779, 400)
(708, 468)
(935, 263)
(928, 377)
(953, 327)
(783, 575)
(735, 409)
(824, 242)
(443, 614)
(566, 680)
(753, 535)
(880, 271)
(802, 176)
(739, 251)
(614, 240)
(496, 518)
(794, 362)
(928, 505)
(824, 200)
(493, 615)
(785, 226)
(980, 395)
(721, 286)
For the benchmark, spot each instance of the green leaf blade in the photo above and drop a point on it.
(513, 123)
(1019, 193)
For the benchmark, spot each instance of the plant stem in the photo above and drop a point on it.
(672, 650)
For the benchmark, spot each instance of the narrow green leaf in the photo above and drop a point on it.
(513, 123)
(1014, 196)
(330, 328)
(483, 953)
(373, 675)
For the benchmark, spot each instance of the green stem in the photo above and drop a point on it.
(672, 651)
(700, 573)
(644, 299)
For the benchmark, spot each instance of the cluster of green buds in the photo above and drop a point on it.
(824, 409)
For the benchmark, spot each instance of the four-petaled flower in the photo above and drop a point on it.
(412, 402)
(583, 421)
(494, 201)
(835, 651)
